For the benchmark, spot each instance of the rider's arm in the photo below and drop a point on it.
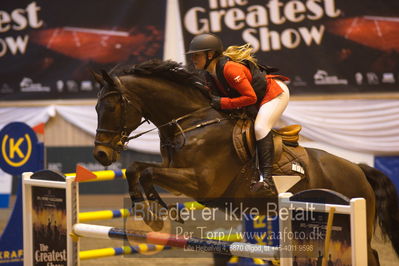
(237, 77)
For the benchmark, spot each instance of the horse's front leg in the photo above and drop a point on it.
(133, 173)
(182, 180)
(175, 179)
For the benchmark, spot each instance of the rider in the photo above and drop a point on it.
(242, 83)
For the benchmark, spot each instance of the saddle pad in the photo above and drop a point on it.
(293, 161)
(244, 140)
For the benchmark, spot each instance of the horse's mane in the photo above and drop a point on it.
(169, 70)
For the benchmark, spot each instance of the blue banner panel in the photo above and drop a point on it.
(47, 48)
(4, 200)
(389, 165)
(11, 240)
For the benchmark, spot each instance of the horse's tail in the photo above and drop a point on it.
(387, 206)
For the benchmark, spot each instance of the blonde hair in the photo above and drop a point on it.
(240, 53)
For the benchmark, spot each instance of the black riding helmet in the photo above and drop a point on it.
(204, 43)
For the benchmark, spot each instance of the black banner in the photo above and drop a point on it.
(324, 46)
(49, 226)
(47, 48)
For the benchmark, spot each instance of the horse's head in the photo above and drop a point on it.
(117, 118)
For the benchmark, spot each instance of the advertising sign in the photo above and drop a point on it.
(49, 226)
(47, 48)
(20, 150)
(329, 46)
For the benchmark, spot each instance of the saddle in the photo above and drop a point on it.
(289, 157)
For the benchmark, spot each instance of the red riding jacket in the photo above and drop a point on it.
(239, 77)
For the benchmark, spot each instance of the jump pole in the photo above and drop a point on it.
(71, 190)
(354, 207)
(240, 249)
(123, 213)
(124, 250)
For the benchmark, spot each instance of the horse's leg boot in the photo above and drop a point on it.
(265, 149)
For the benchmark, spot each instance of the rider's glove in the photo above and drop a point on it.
(215, 102)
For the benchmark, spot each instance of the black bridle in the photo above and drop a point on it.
(123, 131)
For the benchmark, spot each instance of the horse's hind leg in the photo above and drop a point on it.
(132, 176)
(372, 255)
(373, 259)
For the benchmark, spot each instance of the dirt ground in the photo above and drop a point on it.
(173, 257)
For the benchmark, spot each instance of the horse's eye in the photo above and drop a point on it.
(110, 107)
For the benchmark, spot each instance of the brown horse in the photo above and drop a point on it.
(199, 159)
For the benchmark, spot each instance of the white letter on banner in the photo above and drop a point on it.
(329, 6)
(192, 23)
(274, 6)
(233, 16)
(216, 18)
(315, 8)
(19, 19)
(257, 16)
(33, 11)
(290, 38)
(17, 45)
(249, 38)
(294, 10)
(315, 34)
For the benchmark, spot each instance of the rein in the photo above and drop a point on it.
(181, 130)
(124, 136)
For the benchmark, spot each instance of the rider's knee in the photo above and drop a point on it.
(261, 131)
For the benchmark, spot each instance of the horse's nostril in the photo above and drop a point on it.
(101, 155)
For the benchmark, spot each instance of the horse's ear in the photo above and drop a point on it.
(107, 77)
(97, 77)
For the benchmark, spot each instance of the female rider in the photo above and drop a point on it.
(241, 83)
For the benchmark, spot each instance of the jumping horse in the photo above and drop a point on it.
(199, 159)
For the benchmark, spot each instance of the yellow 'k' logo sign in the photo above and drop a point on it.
(16, 152)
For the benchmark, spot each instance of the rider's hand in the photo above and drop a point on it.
(215, 102)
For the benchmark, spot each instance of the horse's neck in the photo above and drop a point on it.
(163, 100)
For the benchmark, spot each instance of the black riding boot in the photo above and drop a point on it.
(265, 148)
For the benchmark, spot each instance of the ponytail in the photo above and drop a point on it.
(240, 53)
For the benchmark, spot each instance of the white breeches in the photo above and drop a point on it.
(270, 112)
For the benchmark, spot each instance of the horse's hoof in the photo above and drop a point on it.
(262, 186)
(256, 186)
(155, 225)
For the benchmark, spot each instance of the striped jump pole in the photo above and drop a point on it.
(84, 175)
(190, 205)
(104, 215)
(124, 250)
(240, 249)
(123, 213)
